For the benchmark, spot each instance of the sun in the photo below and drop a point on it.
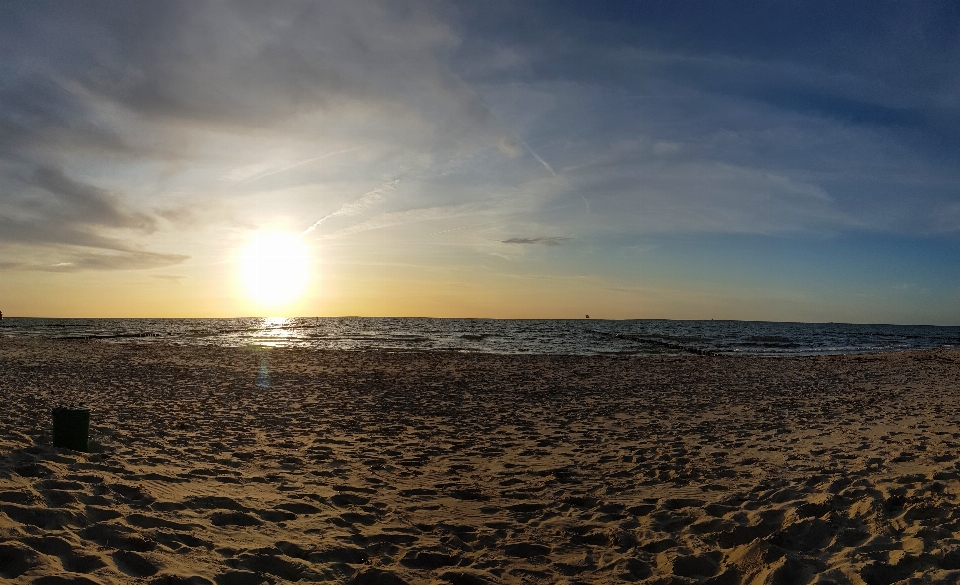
(275, 268)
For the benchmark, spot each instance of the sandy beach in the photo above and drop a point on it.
(247, 466)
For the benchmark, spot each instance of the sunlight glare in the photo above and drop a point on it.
(275, 268)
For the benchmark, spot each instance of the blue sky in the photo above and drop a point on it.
(744, 160)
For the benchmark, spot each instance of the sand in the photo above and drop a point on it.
(237, 466)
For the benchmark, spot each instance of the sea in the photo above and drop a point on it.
(501, 336)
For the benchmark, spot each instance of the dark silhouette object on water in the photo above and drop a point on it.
(71, 427)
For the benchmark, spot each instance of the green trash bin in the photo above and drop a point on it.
(71, 427)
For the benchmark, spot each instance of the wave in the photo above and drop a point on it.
(558, 337)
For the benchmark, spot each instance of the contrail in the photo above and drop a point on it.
(301, 163)
(465, 227)
(502, 219)
(356, 206)
(483, 104)
(537, 156)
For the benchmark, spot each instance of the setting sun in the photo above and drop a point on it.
(275, 268)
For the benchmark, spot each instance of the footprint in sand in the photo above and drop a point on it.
(133, 564)
(16, 560)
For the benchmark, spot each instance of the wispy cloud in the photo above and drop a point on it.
(261, 170)
(78, 261)
(94, 227)
(358, 205)
(391, 219)
(543, 241)
(120, 261)
(76, 202)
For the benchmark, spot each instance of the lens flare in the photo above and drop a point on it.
(275, 268)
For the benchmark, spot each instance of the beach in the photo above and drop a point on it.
(243, 466)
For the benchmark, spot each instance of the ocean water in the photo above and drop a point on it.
(534, 336)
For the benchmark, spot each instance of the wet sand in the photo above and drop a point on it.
(237, 466)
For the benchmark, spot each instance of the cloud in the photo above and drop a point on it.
(510, 147)
(235, 66)
(81, 203)
(702, 99)
(690, 197)
(163, 103)
(126, 127)
(544, 241)
(60, 259)
(44, 232)
(117, 261)
(57, 214)
(946, 218)
(39, 112)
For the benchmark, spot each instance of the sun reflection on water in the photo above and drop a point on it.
(274, 332)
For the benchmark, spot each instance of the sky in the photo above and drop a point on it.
(785, 161)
